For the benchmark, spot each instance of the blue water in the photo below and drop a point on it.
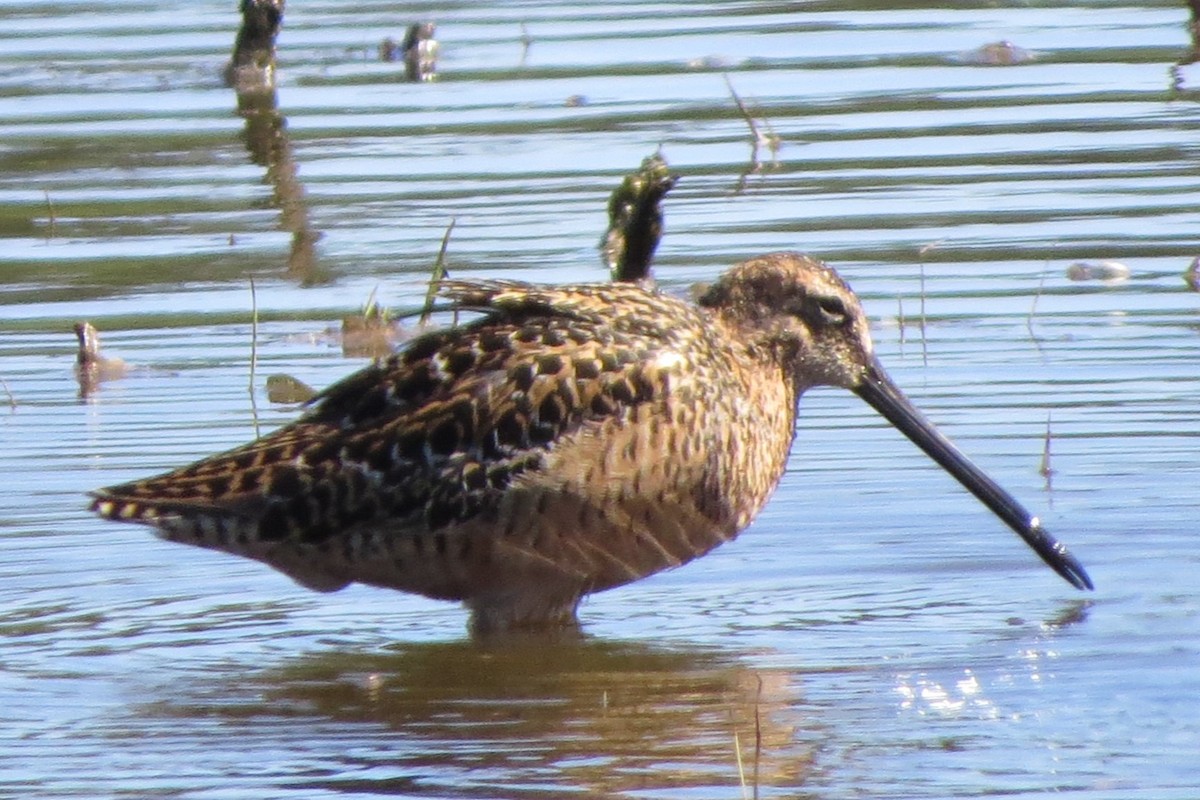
(875, 634)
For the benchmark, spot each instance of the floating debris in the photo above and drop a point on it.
(997, 54)
(252, 66)
(1191, 275)
(91, 368)
(370, 333)
(711, 62)
(420, 51)
(1104, 271)
(635, 220)
(526, 43)
(389, 50)
(287, 390)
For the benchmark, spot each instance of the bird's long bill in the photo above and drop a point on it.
(886, 398)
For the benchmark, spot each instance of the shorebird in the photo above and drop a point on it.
(570, 440)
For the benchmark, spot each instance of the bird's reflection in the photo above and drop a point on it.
(251, 74)
(1071, 614)
(591, 716)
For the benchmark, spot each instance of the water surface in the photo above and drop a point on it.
(875, 634)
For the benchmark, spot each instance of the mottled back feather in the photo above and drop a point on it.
(435, 433)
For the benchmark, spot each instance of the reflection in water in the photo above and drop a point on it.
(1193, 53)
(1071, 614)
(267, 141)
(959, 696)
(590, 716)
(251, 73)
(997, 54)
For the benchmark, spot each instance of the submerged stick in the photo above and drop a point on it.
(1032, 311)
(53, 217)
(1044, 468)
(526, 43)
(742, 108)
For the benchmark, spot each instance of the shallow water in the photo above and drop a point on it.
(875, 634)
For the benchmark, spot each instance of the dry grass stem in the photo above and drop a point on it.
(757, 731)
(1045, 469)
(52, 215)
(921, 323)
(253, 353)
(758, 138)
(737, 749)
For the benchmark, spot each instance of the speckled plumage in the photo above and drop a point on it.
(570, 440)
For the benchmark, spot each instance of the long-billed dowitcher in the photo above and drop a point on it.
(572, 439)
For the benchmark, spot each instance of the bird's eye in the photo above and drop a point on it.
(822, 311)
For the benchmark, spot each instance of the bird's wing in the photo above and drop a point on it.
(434, 434)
